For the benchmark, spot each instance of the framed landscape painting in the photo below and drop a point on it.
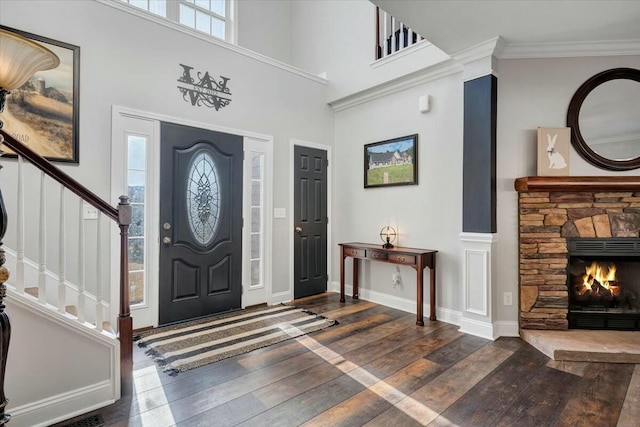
(43, 113)
(391, 162)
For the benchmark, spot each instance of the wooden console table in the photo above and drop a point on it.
(416, 258)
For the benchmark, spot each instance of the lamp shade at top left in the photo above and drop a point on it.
(20, 58)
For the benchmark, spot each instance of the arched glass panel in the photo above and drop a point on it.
(203, 198)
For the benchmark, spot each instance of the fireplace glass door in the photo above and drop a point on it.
(603, 279)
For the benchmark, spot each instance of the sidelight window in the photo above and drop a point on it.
(136, 190)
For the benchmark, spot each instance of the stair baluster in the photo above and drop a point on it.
(81, 266)
(20, 229)
(42, 250)
(62, 258)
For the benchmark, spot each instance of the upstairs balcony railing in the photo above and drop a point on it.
(392, 35)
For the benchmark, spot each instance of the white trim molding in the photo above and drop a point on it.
(116, 4)
(570, 49)
(405, 304)
(478, 266)
(480, 60)
(435, 72)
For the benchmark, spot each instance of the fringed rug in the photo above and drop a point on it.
(187, 346)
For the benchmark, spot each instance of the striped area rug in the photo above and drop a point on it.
(187, 346)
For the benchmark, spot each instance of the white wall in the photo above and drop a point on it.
(338, 37)
(264, 27)
(427, 215)
(532, 93)
(132, 62)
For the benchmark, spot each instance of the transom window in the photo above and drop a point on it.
(213, 17)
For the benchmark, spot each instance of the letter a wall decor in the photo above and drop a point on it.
(203, 90)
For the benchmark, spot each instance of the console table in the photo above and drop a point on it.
(416, 258)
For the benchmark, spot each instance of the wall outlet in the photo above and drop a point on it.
(89, 212)
(508, 298)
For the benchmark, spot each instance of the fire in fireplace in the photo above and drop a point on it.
(603, 278)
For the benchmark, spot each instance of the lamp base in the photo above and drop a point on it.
(3, 98)
(387, 245)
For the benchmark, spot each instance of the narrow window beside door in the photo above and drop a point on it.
(257, 215)
(136, 188)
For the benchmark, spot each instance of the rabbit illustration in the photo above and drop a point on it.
(556, 161)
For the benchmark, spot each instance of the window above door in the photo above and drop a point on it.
(212, 17)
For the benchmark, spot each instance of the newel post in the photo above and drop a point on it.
(125, 324)
(5, 326)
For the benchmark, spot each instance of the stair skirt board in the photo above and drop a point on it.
(62, 407)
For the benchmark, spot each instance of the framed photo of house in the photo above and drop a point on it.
(391, 162)
(43, 113)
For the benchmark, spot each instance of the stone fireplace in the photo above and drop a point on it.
(553, 211)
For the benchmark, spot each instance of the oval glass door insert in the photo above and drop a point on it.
(203, 198)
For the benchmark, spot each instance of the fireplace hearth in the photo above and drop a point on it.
(603, 280)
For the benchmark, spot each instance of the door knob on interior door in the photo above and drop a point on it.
(298, 230)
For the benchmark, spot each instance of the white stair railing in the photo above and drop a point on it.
(392, 35)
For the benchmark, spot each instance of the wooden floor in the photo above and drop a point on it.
(377, 368)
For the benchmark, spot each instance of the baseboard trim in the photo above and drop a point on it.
(63, 406)
(477, 328)
(443, 314)
(280, 297)
(506, 329)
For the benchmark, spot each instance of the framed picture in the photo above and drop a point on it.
(391, 162)
(43, 113)
(553, 151)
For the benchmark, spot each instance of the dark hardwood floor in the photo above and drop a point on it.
(377, 368)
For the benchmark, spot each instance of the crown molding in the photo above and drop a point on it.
(570, 49)
(417, 78)
(125, 7)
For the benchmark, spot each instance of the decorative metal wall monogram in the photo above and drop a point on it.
(206, 91)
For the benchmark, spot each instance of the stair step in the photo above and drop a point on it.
(32, 291)
(72, 309)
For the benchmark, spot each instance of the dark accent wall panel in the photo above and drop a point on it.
(479, 158)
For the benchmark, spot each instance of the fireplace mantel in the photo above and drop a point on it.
(577, 183)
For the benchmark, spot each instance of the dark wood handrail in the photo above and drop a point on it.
(47, 167)
(122, 216)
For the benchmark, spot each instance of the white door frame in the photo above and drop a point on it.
(119, 115)
(327, 148)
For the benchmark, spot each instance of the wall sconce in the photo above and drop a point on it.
(20, 58)
(388, 236)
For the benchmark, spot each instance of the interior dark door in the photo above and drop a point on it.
(310, 221)
(200, 223)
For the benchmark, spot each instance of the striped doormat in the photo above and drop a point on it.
(187, 346)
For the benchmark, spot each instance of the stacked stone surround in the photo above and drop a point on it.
(549, 212)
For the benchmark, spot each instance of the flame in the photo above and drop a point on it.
(600, 275)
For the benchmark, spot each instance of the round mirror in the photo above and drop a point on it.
(604, 117)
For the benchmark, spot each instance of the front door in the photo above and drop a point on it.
(310, 221)
(200, 223)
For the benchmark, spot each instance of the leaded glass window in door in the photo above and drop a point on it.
(203, 198)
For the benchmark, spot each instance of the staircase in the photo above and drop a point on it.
(71, 344)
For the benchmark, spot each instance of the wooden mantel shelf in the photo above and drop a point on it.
(578, 183)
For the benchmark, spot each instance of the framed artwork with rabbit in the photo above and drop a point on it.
(553, 151)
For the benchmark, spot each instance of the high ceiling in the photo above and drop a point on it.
(454, 25)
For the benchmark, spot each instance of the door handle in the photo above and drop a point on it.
(166, 240)
(298, 230)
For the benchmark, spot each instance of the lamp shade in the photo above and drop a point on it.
(20, 58)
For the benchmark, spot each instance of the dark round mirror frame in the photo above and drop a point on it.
(577, 140)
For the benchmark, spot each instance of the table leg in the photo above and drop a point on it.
(432, 290)
(341, 274)
(355, 279)
(420, 292)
